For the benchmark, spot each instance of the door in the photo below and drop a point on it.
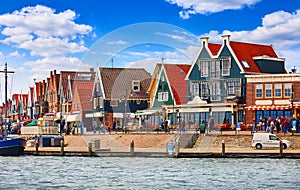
(273, 141)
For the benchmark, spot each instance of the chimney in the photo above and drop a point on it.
(91, 69)
(294, 70)
(204, 40)
(226, 38)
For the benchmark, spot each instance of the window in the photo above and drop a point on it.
(287, 90)
(245, 63)
(278, 90)
(76, 106)
(195, 89)
(215, 70)
(226, 65)
(162, 78)
(204, 90)
(233, 88)
(163, 96)
(268, 88)
(113, 103)
(215, 91)
(258, 91)
(136, 86)
(204, 68)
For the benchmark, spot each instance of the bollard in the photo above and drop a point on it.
(132, 148)
(90, 144)
(62, 147)
(280, 148)
(37, 146)
(223, 148)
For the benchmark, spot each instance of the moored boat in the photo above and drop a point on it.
(12, 146)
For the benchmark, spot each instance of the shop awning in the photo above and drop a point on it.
(272, 107)
(71, 118)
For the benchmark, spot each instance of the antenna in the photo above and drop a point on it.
(112, 62)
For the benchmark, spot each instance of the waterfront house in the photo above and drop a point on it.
(217, 77)
(117, 94)
(168, 92)
(272, 95)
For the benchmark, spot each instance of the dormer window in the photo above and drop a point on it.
(136, 86)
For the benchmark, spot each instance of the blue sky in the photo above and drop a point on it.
(38, 36)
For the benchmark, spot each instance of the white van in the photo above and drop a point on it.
(268, 140)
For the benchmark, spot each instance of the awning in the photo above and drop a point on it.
(95, 114)
(71, 118)
(273, 107)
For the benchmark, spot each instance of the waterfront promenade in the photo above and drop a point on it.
(155, 144)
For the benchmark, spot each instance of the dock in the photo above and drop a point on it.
(141, 145)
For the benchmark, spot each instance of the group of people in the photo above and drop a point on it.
(278, 124)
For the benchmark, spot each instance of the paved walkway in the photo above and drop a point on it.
(211, 142)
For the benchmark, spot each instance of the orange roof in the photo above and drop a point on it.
(176, 74)
(214, 48)
(246, 52)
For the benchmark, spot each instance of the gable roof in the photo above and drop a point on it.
(247, 51)
(84, 92)
(176, 74)
(117, 82)
(214, 48)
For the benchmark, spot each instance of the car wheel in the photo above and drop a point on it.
(258, 146)
(284, 146)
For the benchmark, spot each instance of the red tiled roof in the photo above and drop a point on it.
(84, 91)
(176, 74)
(117, 82)
(246, 52)
(214, 48)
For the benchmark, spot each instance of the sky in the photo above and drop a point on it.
(38, 36)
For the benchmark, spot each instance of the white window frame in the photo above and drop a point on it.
(226, 66)
(260, 88)
(204, 68)
(215, 69)
(136, 85)
(163, 96)
(215, 91)
(268, 91)
(287, 90)
(204, 90)
(195, 89)
(278, 89)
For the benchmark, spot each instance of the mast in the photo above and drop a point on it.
(5, 71)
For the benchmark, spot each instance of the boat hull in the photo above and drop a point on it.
(13, 147)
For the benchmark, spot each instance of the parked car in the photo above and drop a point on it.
(268, 140)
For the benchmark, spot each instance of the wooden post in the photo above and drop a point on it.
(223, 148)
(90, 144)
(132, 148)
(280, 148)
(62, 148)
(37, 146)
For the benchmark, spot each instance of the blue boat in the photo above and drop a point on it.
(11, 146)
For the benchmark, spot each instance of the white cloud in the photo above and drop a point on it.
(281, 29)
(44, 32)
(59, 63)
(1, 54)
(58, 47)
(118, 42)
(191, 7)
(16, 54)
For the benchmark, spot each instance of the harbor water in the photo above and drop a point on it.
(33, 172)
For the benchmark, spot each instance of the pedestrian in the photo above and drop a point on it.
(95, 127)
(254, 128)
(211, 124)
